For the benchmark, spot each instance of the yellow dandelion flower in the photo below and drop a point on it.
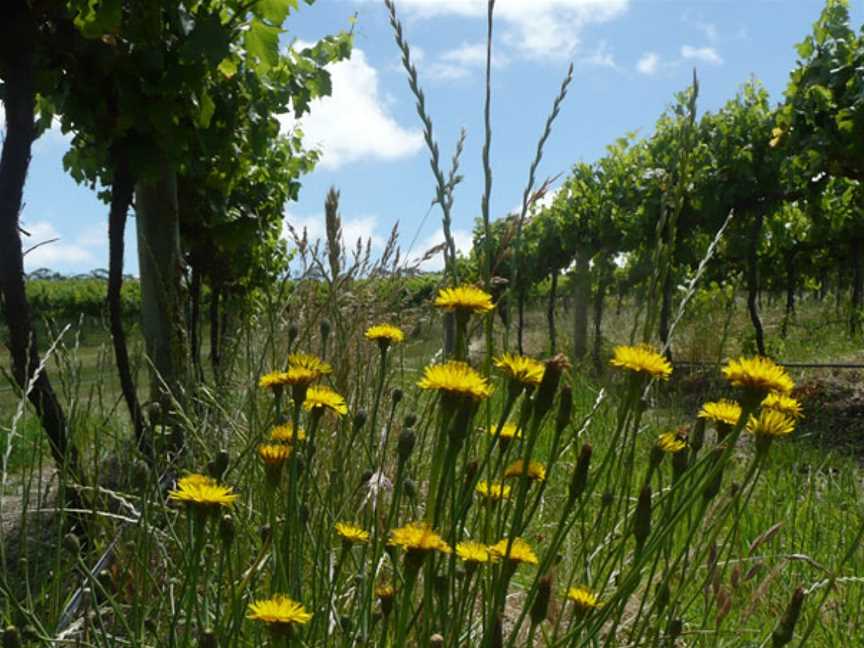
(508, 431)
(536, 470)
(760, 375)
(455, 379)
(299, 376)
(274, 454)
(202, 492)
(642, 359)
(385, 333)
(722, 411)
(272, 380)
(475, 553)
(770, 423)
(352, 534)
(311, 362)
(583, 598)
(418, 537)
(671, 442)
(319, 398)
(783, 403)
(492, 491)
(385, 590)
(285, 433)
(520, 551)
(280, 613)
(523, 369)
(466, 298)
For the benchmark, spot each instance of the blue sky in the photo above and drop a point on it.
(630, 57)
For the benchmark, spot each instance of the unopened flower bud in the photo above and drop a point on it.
(405, 444)
(409, 421)
(436, 640)
(396, 396)
(324, 327)
(360, 419)
(549, 384)
(410, 487)
(697, 437)
(642, 518)
(541, 602)
(785, 630)
(580, 473)
(208, 639)
(72, 544)
(227, 530)
(11, 637)
(218, 465)
(565, 409)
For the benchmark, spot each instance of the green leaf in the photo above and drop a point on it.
(207, 108)
(228, 67)
(98, 17)
(274, 11)
(262, 43)
(209, 38)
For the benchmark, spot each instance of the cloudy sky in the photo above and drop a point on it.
(630, 56)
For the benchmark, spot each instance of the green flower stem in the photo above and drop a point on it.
(376, 405)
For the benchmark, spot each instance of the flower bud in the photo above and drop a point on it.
(549, 384)
(396, 396)
(360, 419)
(642, 518)
(697, 437)
(565, 409)
(227, 530)
(405, 444)
(208, 639)
(218, 465)
(580, 473)
(436, 640)
(324, 327)
(785, 630)
(410, 488)
(72, 544)
(409, 421)
(293, 332)
(11, 637)
(265, 532)
(541, 602)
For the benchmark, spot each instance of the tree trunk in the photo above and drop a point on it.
(791, 280)
(215, 349)
(195, 323)
(121, 198)
(161, 267)
(550, 313)
(666, 313)
(857, 243)
(581, 304)
(753, 284)
(599, 299)
(18, 34)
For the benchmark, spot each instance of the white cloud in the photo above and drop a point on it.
(57, 252)
(600, 57)
(353, 123)
(446, 71)
(537, 28)
(705, 54)
(648, 63)
(473, 54)
(462, 239)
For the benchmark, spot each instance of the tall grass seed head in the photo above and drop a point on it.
(643, 360)
(455, 379)
(758, 376)
(280, 613)
(466, 299)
